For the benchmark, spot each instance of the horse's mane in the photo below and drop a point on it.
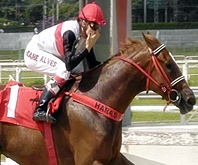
(131, 46)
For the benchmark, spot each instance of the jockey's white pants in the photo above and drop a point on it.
(43, 62)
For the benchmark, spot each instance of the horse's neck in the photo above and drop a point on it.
(116, 85)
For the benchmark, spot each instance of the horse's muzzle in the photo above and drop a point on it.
(187, 101)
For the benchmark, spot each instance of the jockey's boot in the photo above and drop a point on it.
(50, 91)
(40, 114)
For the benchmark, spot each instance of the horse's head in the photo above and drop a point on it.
(170, 83)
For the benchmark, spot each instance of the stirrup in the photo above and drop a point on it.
(49, 117)
(43, 117)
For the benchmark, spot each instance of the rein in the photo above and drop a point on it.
(167, 85)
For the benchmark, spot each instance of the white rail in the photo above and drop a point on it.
(153, 95)
(17, 68)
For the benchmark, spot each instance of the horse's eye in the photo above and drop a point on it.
(168, 66)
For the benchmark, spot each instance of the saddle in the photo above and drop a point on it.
(18, 103)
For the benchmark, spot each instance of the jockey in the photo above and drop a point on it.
(61, 50)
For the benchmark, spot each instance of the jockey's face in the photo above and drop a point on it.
(89, 28)
(94, 26)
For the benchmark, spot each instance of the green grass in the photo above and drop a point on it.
(193, 79)
(186, 51)
(155, 116)
(148, 102)
(3, 157)
(11, 54)
(26, 77)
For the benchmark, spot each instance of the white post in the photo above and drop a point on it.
(45, 79)
(182, 119)
(113, 29)
(129, 18)
(57, 12)
(20, 47)
(145, 11)
(185, 71)
(157, 34)
(185, 74)
(18, 74)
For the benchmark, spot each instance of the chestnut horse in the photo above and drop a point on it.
(83, 136)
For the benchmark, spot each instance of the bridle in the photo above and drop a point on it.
(167, 85)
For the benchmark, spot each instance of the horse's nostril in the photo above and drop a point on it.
(192, 101)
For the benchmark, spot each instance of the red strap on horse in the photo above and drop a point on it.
(50, 144)
(97, 106)
(138, 67)
(167, 86)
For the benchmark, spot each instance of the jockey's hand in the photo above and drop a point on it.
(91, 39)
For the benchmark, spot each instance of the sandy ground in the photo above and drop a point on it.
(158, 145)
(161, 145)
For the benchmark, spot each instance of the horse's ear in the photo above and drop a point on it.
(148, 41)
(148, 33)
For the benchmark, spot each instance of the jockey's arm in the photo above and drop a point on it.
(72, 59)
(91, 60)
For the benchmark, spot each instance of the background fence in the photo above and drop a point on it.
(187, 40)
(14, 70)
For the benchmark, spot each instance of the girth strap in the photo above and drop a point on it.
(50, 144)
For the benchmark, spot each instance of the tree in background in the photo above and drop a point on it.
(68, 10)
(187, 10)
(31, 12)
(165, 11)
(10, 10)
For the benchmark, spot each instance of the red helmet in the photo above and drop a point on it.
(93, 13)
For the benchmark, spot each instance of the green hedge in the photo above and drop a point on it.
(17, 29)
(158, 26)
(135, 26)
